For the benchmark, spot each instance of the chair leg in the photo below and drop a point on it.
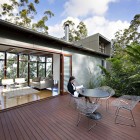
(79, 118)
(70, 100)
(133, 119)
(107, 104)
(117, 115)
(116, 111)
(92, 126)
(89, 127)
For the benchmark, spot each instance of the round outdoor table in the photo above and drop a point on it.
(95, 93)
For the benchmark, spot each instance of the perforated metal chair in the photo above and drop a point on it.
(86, 109)
(72, 97)
(111, 93)
(125, 102)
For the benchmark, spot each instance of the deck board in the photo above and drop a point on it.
(23, 124)
(5, 127)
(18, 125)
(15, 126)
(1, 130)
(10, 127)
(40, 128)
(55, 119)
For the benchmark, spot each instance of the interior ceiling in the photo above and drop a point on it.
(16, 50)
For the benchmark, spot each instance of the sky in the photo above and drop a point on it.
(100, 16)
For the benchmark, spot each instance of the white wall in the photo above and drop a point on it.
(85, 68)
(56, 69)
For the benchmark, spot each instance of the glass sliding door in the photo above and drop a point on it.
(41, 66)
(67, 71)
(48, 66)
(11, 65)
(2, 65)
(23, 66)
(33, 66)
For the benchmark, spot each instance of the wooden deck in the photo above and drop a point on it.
(55, 119)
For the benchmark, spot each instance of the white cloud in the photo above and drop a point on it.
(96, 24)
(2, 2)
(8, 2)
(58, 31)
(93, 12)
(77, 8)
(105, 27)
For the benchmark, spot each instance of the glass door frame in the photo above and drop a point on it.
(62, 71)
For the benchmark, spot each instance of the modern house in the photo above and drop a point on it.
(32, 54)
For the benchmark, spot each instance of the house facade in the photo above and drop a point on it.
(44, 52)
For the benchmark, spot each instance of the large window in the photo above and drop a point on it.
(102, 47)
(41, 66)
(33, 66)
(23, 66)
(67, 71)
(10, 67)
(48, 66)
(103, 64)
(11, 70)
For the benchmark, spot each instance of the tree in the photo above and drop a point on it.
(81, 33)
(124, 74)
(134, 52)
(127, 36)
(23, 13)
(75, 34)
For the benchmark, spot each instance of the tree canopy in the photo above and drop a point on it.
(23, 12)
(127, 36)
(124, 73)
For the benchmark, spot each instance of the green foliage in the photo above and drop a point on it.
(127, 36)
(105, 71)
(23, 13)
(40, 25)
(124, 75)
(77, 33)
(90, 84)
(93, 80)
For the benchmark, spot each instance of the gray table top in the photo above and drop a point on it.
(96, 93)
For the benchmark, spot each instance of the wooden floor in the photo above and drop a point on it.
(54, 119)
(18, 100)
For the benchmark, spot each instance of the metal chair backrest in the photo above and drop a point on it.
(126, 101)
(85, 107)
(88, 110)
(108, 89)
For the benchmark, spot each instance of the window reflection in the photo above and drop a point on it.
(38, 66)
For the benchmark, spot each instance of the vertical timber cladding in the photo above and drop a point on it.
(61, 74)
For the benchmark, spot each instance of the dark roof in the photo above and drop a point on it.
(39, 34)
